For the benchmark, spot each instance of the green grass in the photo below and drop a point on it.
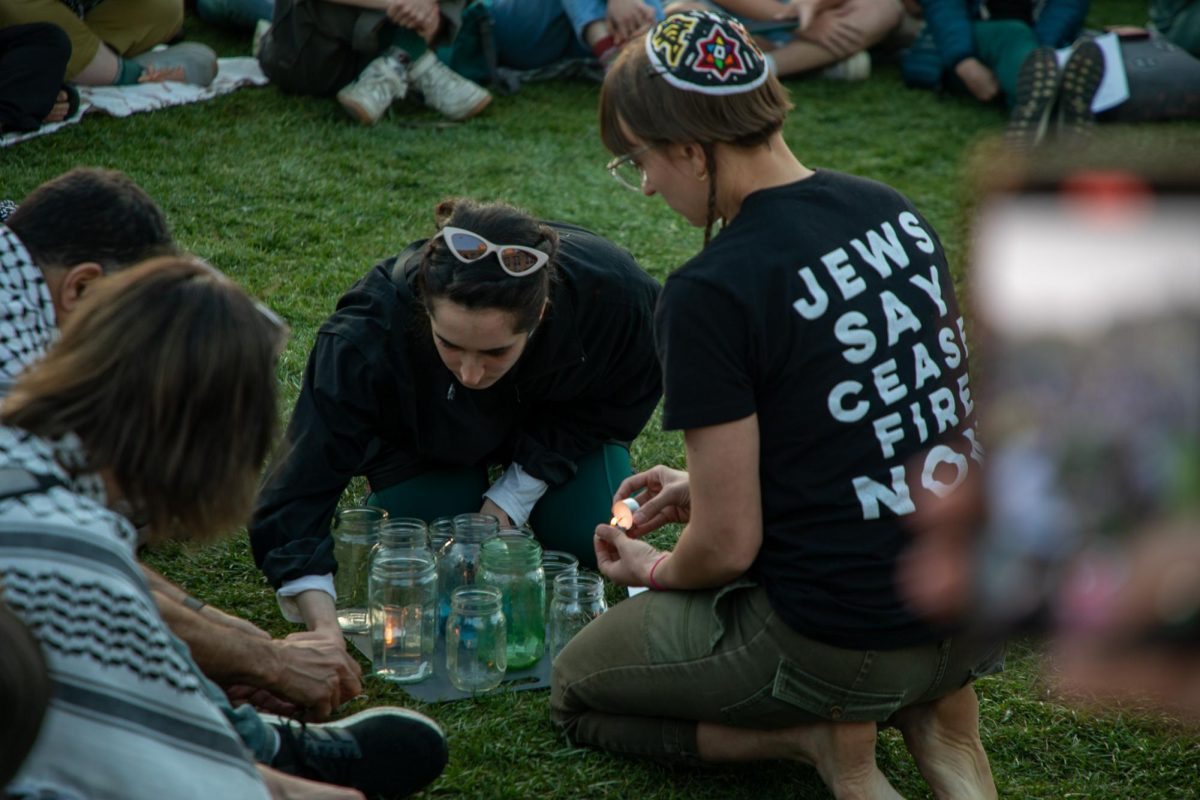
(295, 202)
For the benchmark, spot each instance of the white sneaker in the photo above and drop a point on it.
(372, 93)
(445, 90)
(855, 68)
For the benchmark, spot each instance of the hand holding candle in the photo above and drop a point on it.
(665, 498)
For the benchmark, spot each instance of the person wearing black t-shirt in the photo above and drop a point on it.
(501, 340)
(814, 356)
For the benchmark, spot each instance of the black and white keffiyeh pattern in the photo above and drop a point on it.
(27, 322)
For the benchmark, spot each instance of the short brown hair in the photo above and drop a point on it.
(167, 376)
(658, 113)
(91, 214)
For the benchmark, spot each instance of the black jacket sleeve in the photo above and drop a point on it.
(617, 383)
(330, 435)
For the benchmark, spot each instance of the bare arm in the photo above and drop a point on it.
(310, 671)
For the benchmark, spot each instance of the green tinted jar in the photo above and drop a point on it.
(514, 566)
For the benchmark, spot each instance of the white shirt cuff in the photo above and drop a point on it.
(517, 492)
(287, 593)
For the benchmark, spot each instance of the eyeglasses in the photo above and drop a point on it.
(517, 260)
(627, 171)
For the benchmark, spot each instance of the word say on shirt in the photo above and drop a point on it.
(881, 343)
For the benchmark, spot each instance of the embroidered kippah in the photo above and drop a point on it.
(707, 52)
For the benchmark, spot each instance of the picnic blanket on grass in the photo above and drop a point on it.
(122, 101)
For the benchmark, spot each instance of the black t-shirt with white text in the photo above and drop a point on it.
(826, 308)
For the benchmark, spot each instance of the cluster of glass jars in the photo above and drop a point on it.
(493, 592)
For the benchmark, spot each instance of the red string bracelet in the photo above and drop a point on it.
(655, 585)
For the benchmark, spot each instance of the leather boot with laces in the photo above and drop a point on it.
(382, 752)
(445, 90)
(371, 94)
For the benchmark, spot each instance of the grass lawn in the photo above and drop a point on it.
(295, 201)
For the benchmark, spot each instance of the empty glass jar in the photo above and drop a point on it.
(441, 532)
(578, 599)
(460, 560)
(514, 566)
(555, 563)
(355, 532)
(476, 656)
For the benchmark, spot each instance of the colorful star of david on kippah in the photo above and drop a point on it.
(705, 51)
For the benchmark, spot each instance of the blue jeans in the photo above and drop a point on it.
(534, 33)
(235, 13)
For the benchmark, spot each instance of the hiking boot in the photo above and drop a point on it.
(855, 68)
(1081, 78)
(371, 94)
(186, 62)
(445, 90)
(382, 752)
(1037, 86)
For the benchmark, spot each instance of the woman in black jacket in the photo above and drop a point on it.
(502, 340)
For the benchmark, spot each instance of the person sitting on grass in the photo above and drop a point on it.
(369, 53)
(813, 356)
(112, 40)
(158, 400)
(33, 61)
(62, 239)
(534, 33)
(825, 37)
(996, 50)
(500, 340)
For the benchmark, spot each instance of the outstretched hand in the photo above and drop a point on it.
(666, 498)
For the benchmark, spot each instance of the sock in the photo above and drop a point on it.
(771, 66)
(603, 47)
(408, 41)
(128, 72)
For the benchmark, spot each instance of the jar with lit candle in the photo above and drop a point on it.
(355, 532)
(402, 590)
(514, 566)
(476, 654)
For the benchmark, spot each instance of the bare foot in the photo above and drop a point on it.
(62, 105)
(943, 737)
(153, 75)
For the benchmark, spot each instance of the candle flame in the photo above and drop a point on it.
(614, 522)
(389, 633)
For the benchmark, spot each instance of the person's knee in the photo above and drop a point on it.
(164, 16)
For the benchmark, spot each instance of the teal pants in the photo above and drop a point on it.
(1001, 45)
(1179, 21)
(564, 519)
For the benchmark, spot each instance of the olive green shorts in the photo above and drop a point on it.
(639, 678)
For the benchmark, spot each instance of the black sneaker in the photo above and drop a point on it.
(1037, 86)
(382, 752)
(1080, 79)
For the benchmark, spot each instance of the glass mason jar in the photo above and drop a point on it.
(441, 532)
(476, 658)
(403, 533)
(354, 532)
(460, 560)
(555, 563)
(578, 599)
(514, 566)
(402, 590)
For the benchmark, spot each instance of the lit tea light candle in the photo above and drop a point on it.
(623, 513)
